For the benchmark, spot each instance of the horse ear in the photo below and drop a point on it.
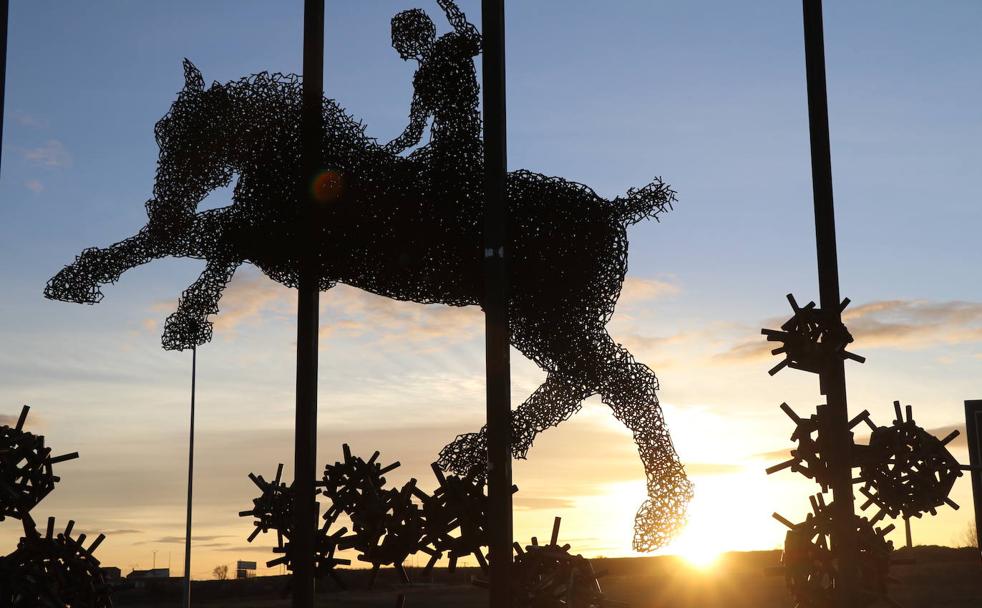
(193, 80)
(218, 93)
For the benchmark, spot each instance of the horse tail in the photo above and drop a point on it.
(643, 203)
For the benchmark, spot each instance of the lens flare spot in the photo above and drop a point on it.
(328, 186)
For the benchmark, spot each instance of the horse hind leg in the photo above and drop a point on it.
(628, 388)
(81, 280)
(552, 403)
(189, 326)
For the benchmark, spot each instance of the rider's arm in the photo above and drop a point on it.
(414, 132)
(460, 23)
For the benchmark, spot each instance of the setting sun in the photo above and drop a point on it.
(710, 531)
(697, 549)
(701, 542)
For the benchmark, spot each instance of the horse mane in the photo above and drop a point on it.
(288, 88)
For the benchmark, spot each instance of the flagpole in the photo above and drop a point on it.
(186, 602)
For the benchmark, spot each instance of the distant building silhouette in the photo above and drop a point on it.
(245, 569)
(111, 574)
(140, 578)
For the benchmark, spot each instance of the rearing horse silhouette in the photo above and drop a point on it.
(388, 227)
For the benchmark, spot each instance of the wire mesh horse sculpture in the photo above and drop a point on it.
(403, 228)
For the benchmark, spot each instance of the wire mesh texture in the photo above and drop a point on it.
(407, 226)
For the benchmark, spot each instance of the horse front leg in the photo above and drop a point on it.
(552, 403)
(188, 326)
(81, 280)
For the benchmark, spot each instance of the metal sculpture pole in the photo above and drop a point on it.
(973, 427)
(4, 10)
(187, 533)
(308, 295)
(832, 377)
(496, 305)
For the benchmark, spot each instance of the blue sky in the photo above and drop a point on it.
(708, 95)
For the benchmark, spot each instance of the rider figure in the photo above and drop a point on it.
(445, 88)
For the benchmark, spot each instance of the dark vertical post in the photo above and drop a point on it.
(833, 378)
(973, 431)
(4, 10)
(187, 532)
(496, 303)
(308, 295)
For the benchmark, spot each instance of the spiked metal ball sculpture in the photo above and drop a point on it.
(272, 508)
(806, 457)
(272, 511)
(549, 576)
(26, 469)
(387, 525)
(906, 471)
(811, 339)
(45, 570)
(456, 519)
(53, 571)
(810, 567)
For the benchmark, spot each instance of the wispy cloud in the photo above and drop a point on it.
(361, 314)
(34, 186)
(246, 549)
(180, 539)
(8, 420)
(122, 532)
(659, 351)
(640, 289)
(961, 441)
(108, 533)
(713, 468)
(544, 503)
(900, 324)
(748, 351)
(25, 119)
(774, 456)
(346, 311)
(915, 323)
(52, 153)
(252, 298)
(247, 297)
(34, 421)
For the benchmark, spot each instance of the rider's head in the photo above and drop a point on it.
(413, 33)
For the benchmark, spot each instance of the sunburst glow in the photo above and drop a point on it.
(698, 548)
(711, 530)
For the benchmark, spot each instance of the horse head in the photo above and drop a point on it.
(196, 141)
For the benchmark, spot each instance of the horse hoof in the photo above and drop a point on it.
(659, 520)
(182, 332)
(72, 284)
(465, 455)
